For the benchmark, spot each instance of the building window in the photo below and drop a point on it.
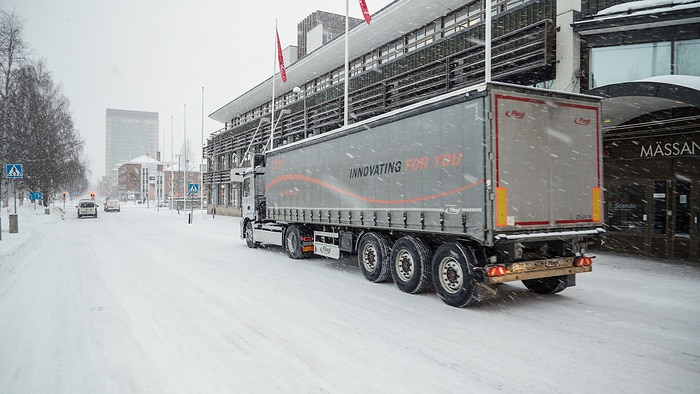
(687, 55)
(629, 63)
(683, 214)
(625, 63)
(626, 206)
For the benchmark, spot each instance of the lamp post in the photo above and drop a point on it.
(177, 206)
(298, 90)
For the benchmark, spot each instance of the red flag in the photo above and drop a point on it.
(365, 11)
(280, 58)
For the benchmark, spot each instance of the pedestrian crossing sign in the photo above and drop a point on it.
(13, 171)
(193, 188)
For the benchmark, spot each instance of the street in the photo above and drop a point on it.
(141, 301)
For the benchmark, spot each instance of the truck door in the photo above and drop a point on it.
(547, 162)
(248, 197)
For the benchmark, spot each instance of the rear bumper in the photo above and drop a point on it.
(511, 277)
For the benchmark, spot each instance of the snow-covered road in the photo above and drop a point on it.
(140, 301)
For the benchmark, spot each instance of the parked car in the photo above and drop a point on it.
(112, 205)
(87, 208)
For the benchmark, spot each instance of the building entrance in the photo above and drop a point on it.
(658, 217)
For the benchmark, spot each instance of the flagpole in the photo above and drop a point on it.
(201, 164)
(487, 42)
(272, 107)
(347, 66)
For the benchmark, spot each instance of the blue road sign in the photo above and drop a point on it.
(35, 195)
(193, 188)
(13, 171)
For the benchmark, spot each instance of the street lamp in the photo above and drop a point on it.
(298, 90)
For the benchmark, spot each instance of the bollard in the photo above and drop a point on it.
(189, 218)
(14, 225)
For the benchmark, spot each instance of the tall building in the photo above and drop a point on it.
(129, 134)
(320, 28)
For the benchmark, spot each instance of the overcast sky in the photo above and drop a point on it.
(157, 55)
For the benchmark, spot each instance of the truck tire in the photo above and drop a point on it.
(373, 257)
(248, 230)
(292, 242)
(410, 265)
(551, 285)
(453, 275)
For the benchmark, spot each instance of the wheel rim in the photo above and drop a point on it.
(292, 241)
(451, 275)
(369, 257)
(405, 266)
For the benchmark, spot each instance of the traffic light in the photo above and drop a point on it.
(64, 196)
(92, 195)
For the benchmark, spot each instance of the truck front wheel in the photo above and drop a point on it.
(248, 229)
(410, 265)
(373, 257)
(453, 275)
(551, 285)
(292, 242)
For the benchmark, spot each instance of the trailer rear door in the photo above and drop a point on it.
(547, 161)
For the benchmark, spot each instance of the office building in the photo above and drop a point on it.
(128, 135)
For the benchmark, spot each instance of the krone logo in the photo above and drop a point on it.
(582, 121)
(515, 114)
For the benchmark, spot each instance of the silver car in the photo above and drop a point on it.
(87, 208)
(112, 205)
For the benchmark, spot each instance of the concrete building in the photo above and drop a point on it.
(141, 179)
(128, 134)
(418, 49)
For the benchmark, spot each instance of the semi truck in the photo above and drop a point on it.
(458, 193)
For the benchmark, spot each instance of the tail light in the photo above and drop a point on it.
(496, 270)
(584, 261)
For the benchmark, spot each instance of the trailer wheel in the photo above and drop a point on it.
(292, 242)
(248, 229)
(373, 257)
(453, 275)
(551, 285)
(410, 265)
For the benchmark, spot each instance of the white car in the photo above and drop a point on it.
(112, 205)
(87, 208)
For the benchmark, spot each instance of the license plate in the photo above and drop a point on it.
(541, 265)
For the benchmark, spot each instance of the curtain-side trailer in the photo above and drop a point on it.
(462, 192)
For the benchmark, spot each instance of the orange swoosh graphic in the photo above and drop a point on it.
(304, 178)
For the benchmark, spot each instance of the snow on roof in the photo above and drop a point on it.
(144, 159)
(634, 6)
(688, 81)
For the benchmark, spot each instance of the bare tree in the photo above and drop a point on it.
(36, 127)
(186, 153)
(43, 136)
(12, 53)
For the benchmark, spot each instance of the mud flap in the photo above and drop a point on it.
(484, 291)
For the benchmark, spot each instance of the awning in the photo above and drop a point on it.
(628, 100)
